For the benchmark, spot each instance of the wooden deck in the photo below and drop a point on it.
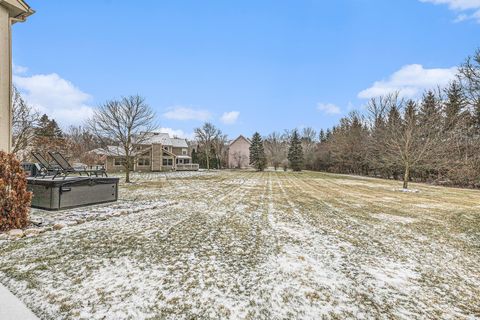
(187, 167)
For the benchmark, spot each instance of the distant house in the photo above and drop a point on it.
(158, 153)
(239, 153)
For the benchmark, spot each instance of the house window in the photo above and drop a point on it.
(168, 162)
(186, 161)
(184, 152)
(119, 162)
(143, 162)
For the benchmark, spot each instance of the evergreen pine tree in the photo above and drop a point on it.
(55, 129)
(454, 105)
(194, 156)
(322, 136)
(328, 134)
(295, 152)
(48, 128)
(42, 129)
(257, 153)
(394, 117)
(430, 112)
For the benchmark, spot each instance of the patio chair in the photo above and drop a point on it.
(45, 167)
(67, 167)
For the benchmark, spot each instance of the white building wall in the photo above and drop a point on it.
(5, 80)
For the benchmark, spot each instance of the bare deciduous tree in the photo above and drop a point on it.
(469, 75)
(239, 158)
(409, 142)
(80, 141)
(24, 120)
(309, 143)
(380, 110)
(129, 122)
(206, 136)
(276, 149)
(221, 151)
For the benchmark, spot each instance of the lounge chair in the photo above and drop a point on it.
(46, 168)
(67, 168)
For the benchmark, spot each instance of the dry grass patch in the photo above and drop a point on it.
(247, 245)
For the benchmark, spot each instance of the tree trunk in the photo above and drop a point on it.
(208, 160)
(406, 177)
(127, 170)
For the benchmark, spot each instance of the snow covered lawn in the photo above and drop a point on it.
(246, 245)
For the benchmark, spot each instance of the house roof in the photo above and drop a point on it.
(238, 138)
(152, 138)
(179, 143)
(158, 137)
(116, 151)
(164, 139)
(17, 9)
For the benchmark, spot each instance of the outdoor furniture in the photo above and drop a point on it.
(31, 169)
(67, 168)
(45, 167)
(70, 192)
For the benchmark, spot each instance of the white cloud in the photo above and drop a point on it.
(230, 117)
(19, 69)
(177, 133)
(185, 113)
(411, 80)
(328, 108)
(465, 9)
(55, 96)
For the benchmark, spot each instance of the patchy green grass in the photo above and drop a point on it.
(247, 245)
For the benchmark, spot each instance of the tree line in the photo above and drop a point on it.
(433, 139)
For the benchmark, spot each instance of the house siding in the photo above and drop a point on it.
(239, 153)
(157, 152)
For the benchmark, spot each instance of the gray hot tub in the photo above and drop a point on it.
(72, 192)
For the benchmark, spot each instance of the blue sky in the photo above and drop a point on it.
(243, 65)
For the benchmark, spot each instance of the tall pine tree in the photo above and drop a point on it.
(430, 112)
(454, 105)
(257, 153)
(48, 128)
(295, 152)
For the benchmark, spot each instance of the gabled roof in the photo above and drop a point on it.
(164, 139)
(158, 137)
(240, 137)
(179, 143)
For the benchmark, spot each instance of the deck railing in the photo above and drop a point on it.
(187, 167)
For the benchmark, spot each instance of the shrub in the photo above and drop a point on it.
(14, 197)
